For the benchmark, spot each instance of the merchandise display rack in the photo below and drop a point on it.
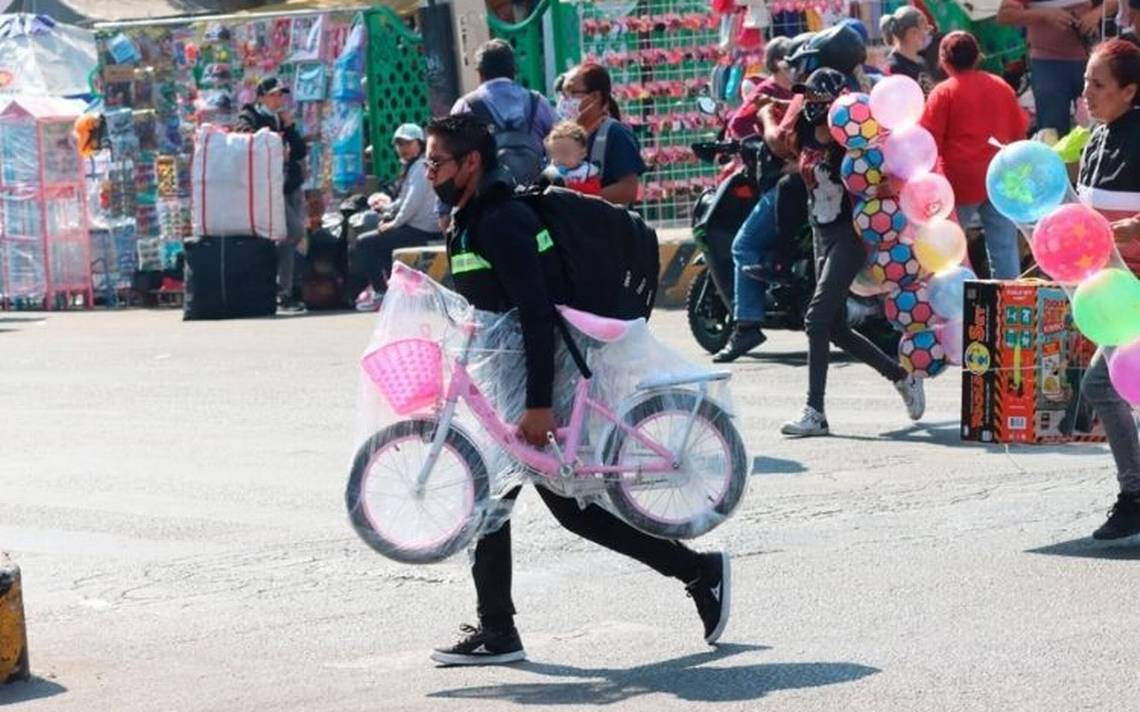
(660, 55)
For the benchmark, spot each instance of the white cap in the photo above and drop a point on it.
(408, 132)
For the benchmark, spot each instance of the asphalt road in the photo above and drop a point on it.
(174, 495)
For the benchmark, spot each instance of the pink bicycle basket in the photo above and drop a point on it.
(408, 372)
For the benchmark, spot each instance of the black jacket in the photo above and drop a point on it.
(502, 258)
(250, 120)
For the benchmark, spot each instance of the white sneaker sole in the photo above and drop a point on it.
(726, 599)
(453, 659)
(796, 434)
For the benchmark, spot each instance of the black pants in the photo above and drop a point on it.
(839, 255)
(492, 567)
(372, 255)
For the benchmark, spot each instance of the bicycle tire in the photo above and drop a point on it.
(454, 536)
(625, 500)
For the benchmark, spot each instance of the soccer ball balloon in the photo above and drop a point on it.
(863, 173)
(879, 220)
(921, 353)
(909, 308)
(851, 122)
(893, 264)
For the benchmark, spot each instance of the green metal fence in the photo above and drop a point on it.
(397, 92)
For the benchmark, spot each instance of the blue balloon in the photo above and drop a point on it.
(948, 291)
(1026, 180)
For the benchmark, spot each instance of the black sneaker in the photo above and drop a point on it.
(1123, 519)
(712, 593)
(481, 646)
(744, 338)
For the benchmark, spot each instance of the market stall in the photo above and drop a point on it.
(45, 259)
(162, 80)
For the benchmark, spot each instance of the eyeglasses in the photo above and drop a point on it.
(434, 164)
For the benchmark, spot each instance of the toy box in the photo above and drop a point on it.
(1022, 366)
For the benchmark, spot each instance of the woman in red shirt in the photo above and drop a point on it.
(963, 113)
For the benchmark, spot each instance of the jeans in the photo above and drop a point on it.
(372, 254)
(492, 566)
(839, 255)
(748, 248)
(1001, 238)
(1116, 415)
(1056, 83)
(287, 248)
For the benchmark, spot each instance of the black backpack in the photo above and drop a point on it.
(608, 253)
(516, 146)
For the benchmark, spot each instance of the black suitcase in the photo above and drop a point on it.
(230, 278)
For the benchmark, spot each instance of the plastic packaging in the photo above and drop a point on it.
(237, 184)
(678, 466)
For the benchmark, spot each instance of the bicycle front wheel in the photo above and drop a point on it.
(410, 524)
(706, 486)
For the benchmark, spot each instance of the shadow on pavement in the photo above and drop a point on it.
(35, 689)
(776, 466)
(948, 434)
(792, 358)
(683, 678)
(1089, 548)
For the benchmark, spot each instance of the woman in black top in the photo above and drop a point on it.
(907, 31)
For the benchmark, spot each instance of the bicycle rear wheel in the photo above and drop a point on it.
(700, 494)
(389, 514)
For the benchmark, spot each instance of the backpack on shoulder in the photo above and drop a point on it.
(514, 142)
(609, 254)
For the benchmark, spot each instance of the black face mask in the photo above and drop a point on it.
(448, 192)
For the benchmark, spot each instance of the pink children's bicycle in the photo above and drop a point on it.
(669, 459)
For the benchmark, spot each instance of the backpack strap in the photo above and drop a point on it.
(575, 353)
(598, 151)
(481, 110)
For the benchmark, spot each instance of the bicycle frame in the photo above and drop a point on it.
(462, 387)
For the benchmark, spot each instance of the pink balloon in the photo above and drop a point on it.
(897, 102)
(950, 336)
(1072, 242)
(1124, 370)
(927, 197)
(910, 152)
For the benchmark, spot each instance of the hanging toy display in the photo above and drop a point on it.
(914, 251)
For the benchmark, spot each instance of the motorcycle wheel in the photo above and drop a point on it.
(709, 319)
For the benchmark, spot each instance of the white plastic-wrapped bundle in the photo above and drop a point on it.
(648, 436)
(238, 184)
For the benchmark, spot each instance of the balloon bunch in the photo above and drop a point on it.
(902, 211)
(1074, 245)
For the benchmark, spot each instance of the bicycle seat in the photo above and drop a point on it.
(602, 328)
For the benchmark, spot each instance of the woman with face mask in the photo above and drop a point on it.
(587, 98)
(839, 255)
(907, 31)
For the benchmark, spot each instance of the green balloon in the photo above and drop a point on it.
(1106, 307)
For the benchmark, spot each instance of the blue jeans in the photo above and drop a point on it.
(1056, 84)
(1001, 238)
(748, 247)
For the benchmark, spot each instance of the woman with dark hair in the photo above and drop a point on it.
(587, 98)
(839, 255)
(1109, 181)
(963, 113)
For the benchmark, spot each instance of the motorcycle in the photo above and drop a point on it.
(789, 269)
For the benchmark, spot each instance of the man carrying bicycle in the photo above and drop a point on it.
(503, 258)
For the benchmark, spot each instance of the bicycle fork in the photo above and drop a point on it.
(443, 424)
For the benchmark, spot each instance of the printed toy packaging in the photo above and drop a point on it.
(1022, 365)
